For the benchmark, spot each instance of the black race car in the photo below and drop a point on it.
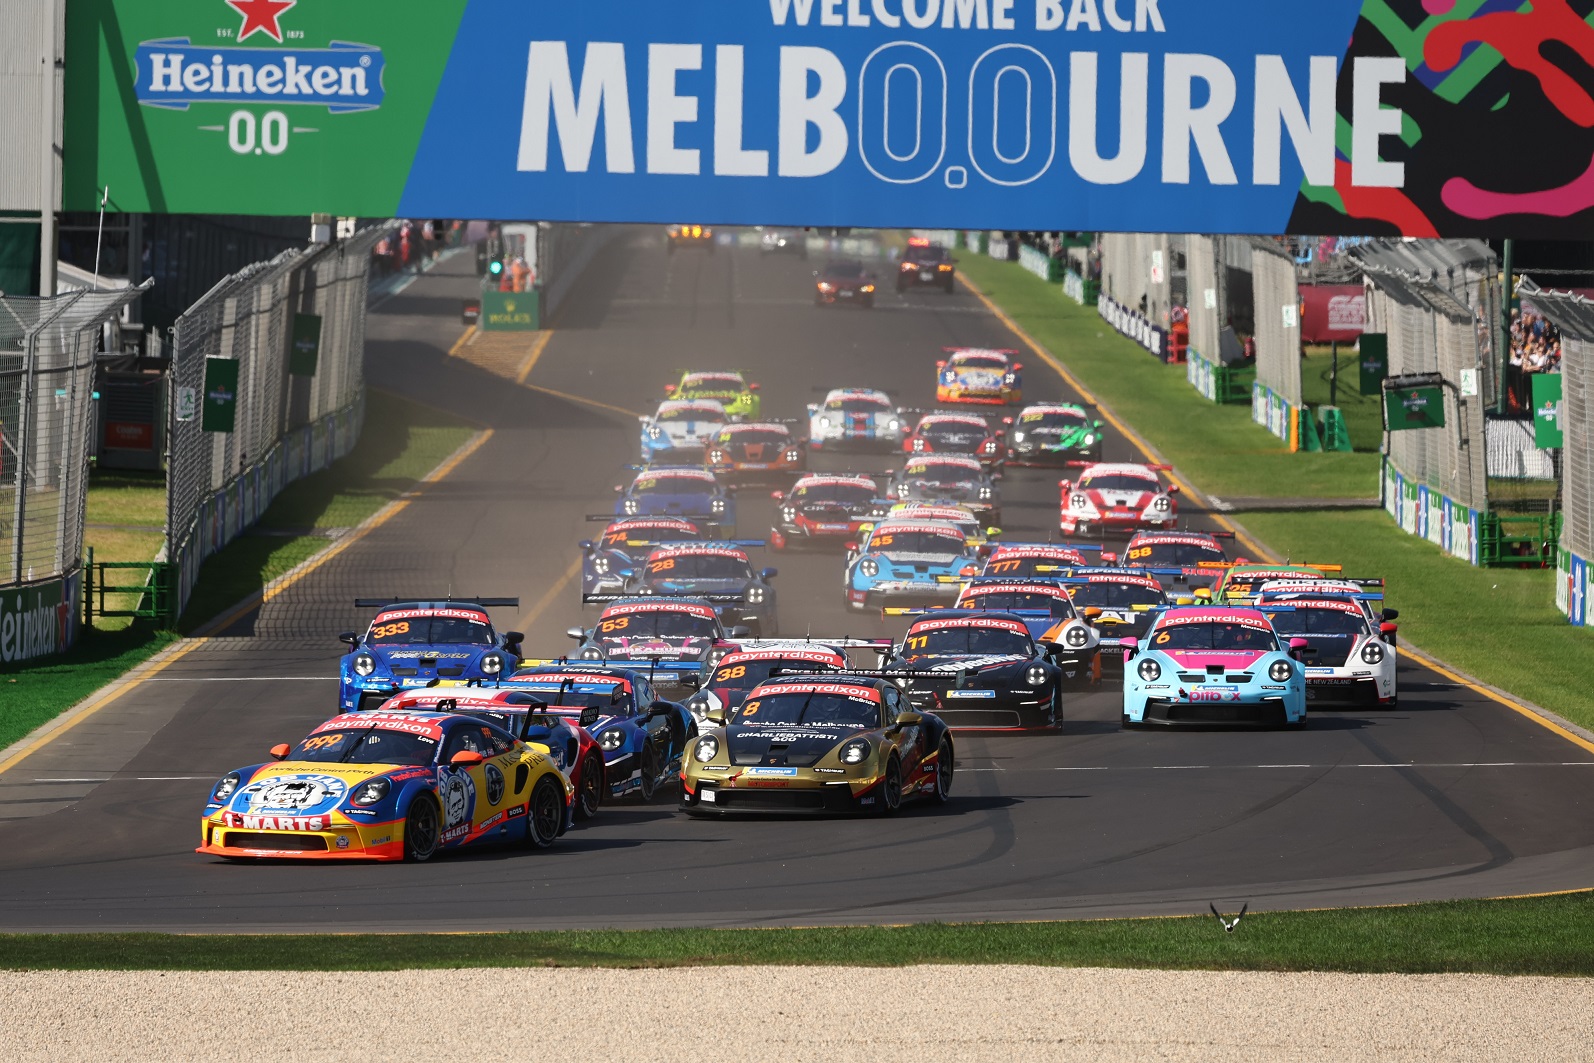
(718, 573)
(926, 265)
(844, 282)
(997, 677)
(625, 544)
(1128, 600)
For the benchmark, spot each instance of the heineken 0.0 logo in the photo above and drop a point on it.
(1415, 402)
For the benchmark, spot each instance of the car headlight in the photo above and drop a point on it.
(1089, 438)
(869, 567)
(1280, 671)
(1373, 652)
(224, 789)
(1035, 675)
(1150, 671)
(492, 664)
(364, 664)
(985, 494)
(867, 288)
(600, 565)
(1078, 502)
(716, 456)
(1018, 437)
(793, 455)
(370, 792)
(918, 444)
(717, 506)
(1161, 503)
(611, 739)
(655, 432)
(989, 447)
(824, 422)
(854, 752)
(1010, 378)
(788, 514)
(630, 506)
(707, 749)
(1076, 637)
(894, 425)
(592, 653)
(755, 594)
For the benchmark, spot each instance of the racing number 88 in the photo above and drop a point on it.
(618, 624)
(1139, 552)
(383, 631)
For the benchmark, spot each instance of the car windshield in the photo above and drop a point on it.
(1115, 595)
(932, 253)
(859, 405)
(953, 429)
(716, 384)
(961, 641)
(813, 709)
(1058, 607)
(847, 270)
(748, 674)
(661, 624)
(1305, 620)
(610, 698)
(979, 361)
(366, 745)
(699, 566)
(1008, 565)
(941, 474)
(1172, 555)
(1117, 481)
(777, 436)
(1214, 636)
(834, 492)
(916, 542)
(671, 485)
(626, 537)
(687, 413)
(430, 631)
(1051, 420)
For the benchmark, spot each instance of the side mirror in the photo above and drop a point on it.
(1063, 485)
(1090, 612)
(1298, 649)
(991, 533)
(626, 573)
(1130, 646)
(1388, 630)
(851, 548)
(768, 573)
(691, 681)
(618, 488)
(1173, 489)
(1007, 420)
(1108, 557)
(585, 544)
(716, 715)
(752, 387)
(941, 364)
(280, 751)
(907, 719)
(1017, 366)
(669, 389)
(514, 638)
(778, 496)
(1391, 614)
(575, 633)
(466, 758)
(660, 708)
(351, 638)
(740, 631)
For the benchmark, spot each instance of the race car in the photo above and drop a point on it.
(979, 670)
(1116, 498)
(562, 735)
(681, 430)
(755, 453)
(642, 735)
(726, 387)
(1182, 560)
(741, 671)
(624, 545)
(825, 509)
(1053, 434)
(925, 264)
(1127, 600)
(1367, 593)
(844, 282)
(955, 478)
(854, 419)
(677, 236)
(388, 786)
(957, 433)
(677, 491)
(1350, 651)
(908, 562)
(980, 376)
(1240, 582)
(716, 572)
(819, 743)
(1049, 613)
(679, 638)
(974, 530)
(411, 643)
(1017, 560)
(1213, 667)
(784, 241)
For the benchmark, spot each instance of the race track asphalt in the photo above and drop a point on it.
(1452, 795)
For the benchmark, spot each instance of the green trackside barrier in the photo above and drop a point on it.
(1310, 437)
(510, 311)
(1336, 436)
(155, 589)
(1519, 540)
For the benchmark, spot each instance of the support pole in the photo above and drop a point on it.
(1333, 375)
(1502, 402)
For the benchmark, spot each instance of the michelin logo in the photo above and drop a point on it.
(343, 77)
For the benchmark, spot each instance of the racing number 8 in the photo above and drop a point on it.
(382, 631)
(618, 624)
(725, 675)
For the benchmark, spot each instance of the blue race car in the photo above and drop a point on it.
(642, 736)
(909, 562)
(1213, 666)
(413, 643)
(681, 430)
(624, 545)
(677, 491)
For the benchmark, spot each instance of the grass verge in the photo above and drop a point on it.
(1528, 649)
(401, 443)
(1532, 936)
(125, 511)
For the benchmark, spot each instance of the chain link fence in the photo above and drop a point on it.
(1137, 287)
(294, 412)
(1275, 307)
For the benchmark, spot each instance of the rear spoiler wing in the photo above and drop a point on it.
(962, 674)
(712, 599)
(383, 603)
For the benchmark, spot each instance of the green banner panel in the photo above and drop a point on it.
(220, 408)
(1547, 411)
(306, 350)
(1374, 362)
(510, 311)
(1422, 407)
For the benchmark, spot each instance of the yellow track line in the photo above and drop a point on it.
(577, 398)
(549, 595)
(536, 353)
(464, 338)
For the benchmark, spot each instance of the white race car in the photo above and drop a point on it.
(1350, 658)
(681, 429)
(855, 419)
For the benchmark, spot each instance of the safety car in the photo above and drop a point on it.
(1127, 602)
(388, 786)
(1016, 560)
(727, 387)
(953, 478)
(940, 432)
(1183, 561)
(854, 418)
(1215, 667)
(411, 643)
(1050, 615)
(825, 508)
(677, 491)
(908, 562)
(844, 282)
(1350, 654)
(925, 265)
(624, 545)
(716, 572)
(680, 430)
(755, 453)
(679, 236)
(1053, 434)
(979, 670)
(981, 376)
(1107, 497)
(819, 743)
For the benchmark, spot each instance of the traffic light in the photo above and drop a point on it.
(495, 267)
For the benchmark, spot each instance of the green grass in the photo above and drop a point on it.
(402, 442)
(1364, 414)
(35, 692)
(126, 515)
(118, 496)
(1219, 447)
(1534, 936)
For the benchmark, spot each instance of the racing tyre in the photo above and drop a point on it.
(589, 794)
(423, 830)
(891, 789)
(650, 774)
(943, 772)
(546, 817)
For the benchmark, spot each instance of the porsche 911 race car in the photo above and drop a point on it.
(681, 430)
(1214, 667)
(642, 736)
(679, 236)
(1116, 498)
(718, 573)
(412, 643)
(739, 672)
(925, 265)
(1350, 654)
(980, 670)
(825, 509)
(679, 639)
(726, 387)
(844, 282)
(1182, 561)
(1240, 582)
(1128, 601)
(1053, 434)
(954, 478)
(855, 419)
(908, 562)
(755, 453)
(979, 534)
(980, 376)
(677, 491)
(957, 433)
(819, 743)
(1367, 593)
(1016, 560)
(388, 786)
(624, 545)
(1050, 615)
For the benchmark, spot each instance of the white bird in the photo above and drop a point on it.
(1229, 924)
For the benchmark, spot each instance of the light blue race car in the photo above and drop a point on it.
(907, 562)
(1213, 667)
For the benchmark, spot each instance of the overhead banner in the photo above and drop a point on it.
(1249, 116)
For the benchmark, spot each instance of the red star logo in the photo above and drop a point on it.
(261, 16)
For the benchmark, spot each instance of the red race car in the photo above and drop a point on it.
(752, 453)
(1117, 498)
(940, 432)
(825, 508)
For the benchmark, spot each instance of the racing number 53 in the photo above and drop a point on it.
(617, 624)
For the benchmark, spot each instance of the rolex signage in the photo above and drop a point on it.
(510, 311)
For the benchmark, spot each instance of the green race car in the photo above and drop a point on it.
(728, 388)
(1053, 433)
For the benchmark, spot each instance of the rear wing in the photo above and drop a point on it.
(962, 674)
(712, 599)
(486, 603)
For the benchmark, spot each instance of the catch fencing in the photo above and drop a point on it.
(1275, 302)
(245, 344)
(1136, 287)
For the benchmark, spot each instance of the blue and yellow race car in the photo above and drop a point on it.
(1212, 666)
(979, 376)
(413, 643)
(684, 491)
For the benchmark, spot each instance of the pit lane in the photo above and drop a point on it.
(1452, 795)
